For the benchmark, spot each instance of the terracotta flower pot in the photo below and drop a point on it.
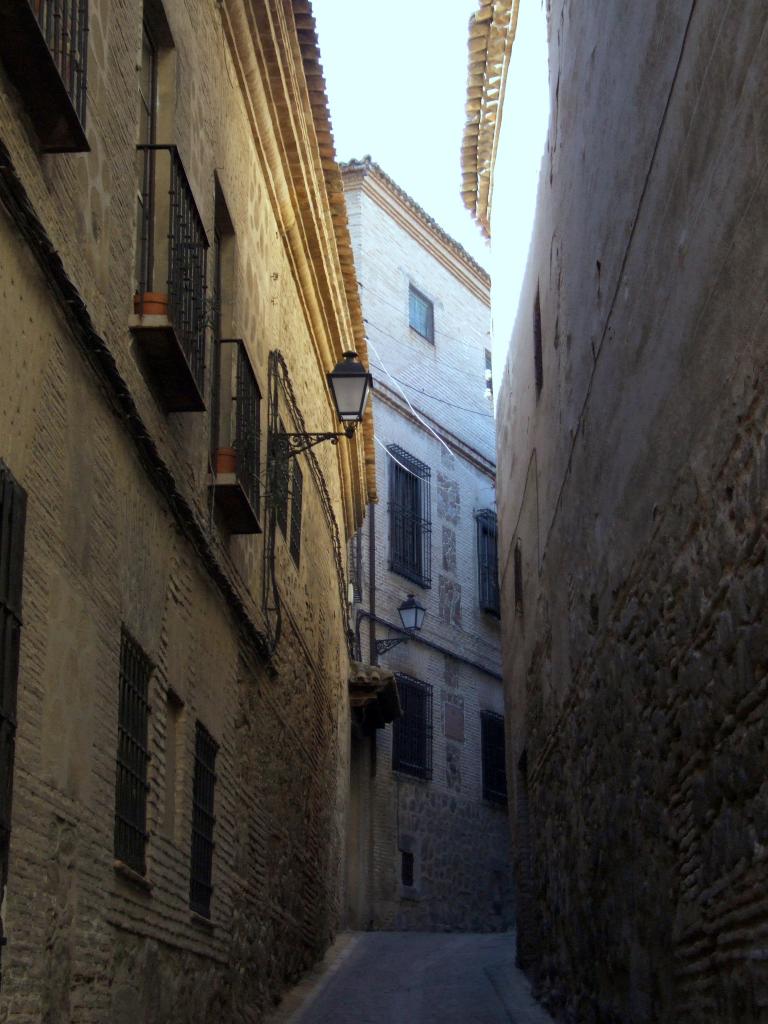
(150, 304)
(226, 460)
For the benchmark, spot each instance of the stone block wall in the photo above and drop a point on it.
(636, 665)
(121, 532)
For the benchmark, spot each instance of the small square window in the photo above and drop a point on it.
(421, 314)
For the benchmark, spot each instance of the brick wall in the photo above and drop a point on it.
(459, 841)
(114, 541)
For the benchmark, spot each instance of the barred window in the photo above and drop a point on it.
(421, 314)
(132, 755)
(203, 821)
(487, 561)
(410, 525)
(280, 467)
(13, 503)
(494, 762)
(412, 732)
(297, 487)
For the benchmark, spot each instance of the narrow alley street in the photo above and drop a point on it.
(416, 978)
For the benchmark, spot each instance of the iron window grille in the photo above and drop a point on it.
(538, 357)
(237, 443)
(488, 561)
(421, 314)
(44, 50)
(203, 822)
(132, 755)
(494, 758)
(412, 732)
(13, 502)
(410, 525)
(280, 469)
(297, 486)
(64, 24)
(180, 252)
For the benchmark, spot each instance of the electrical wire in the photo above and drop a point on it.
(408, 401)
(445, 362)
(399, 309)
(434, 398)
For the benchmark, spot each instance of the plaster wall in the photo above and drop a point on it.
(459, 841)
(635, 486)
(105, 548)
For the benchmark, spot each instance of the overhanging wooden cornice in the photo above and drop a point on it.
(274, 47)
(492, 31)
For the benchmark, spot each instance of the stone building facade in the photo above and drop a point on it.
(632, 428)
(174, 723)
(429, 829)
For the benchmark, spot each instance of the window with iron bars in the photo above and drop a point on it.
(421, 314)
(487, 561)
(173, 248)
(494, 760)
(280, 469)
(410, 525)
(297, 486)
(44, 51)
(13, 502)
(132, 755)
(203, 821)
(412, 732)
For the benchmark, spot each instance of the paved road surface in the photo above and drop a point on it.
(412, 978)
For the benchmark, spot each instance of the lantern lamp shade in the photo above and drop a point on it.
(350, 386)
(411, 614)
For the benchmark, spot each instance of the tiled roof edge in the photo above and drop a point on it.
(367, 165)
(491, 33)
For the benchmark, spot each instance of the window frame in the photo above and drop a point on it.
(412, 732)
(297, 493)
(429, 307)
(202, 846)
(410, 517)
(488, 562)
(493, 757)
(13, 506)
(132, 757)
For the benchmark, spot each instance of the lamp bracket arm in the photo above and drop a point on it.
(288, 445)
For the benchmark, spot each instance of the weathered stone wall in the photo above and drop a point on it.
(459, 842)
(636, 489)
(108, 545)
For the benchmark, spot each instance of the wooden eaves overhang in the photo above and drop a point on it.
(491, 34)
(276, 54)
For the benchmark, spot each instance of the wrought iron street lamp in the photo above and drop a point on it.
(412, 617)
(350, 386)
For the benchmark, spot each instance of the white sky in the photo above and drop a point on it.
(396, 75)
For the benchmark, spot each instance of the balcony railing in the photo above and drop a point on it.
(170, 302)
(44, 46)
(237, 455)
